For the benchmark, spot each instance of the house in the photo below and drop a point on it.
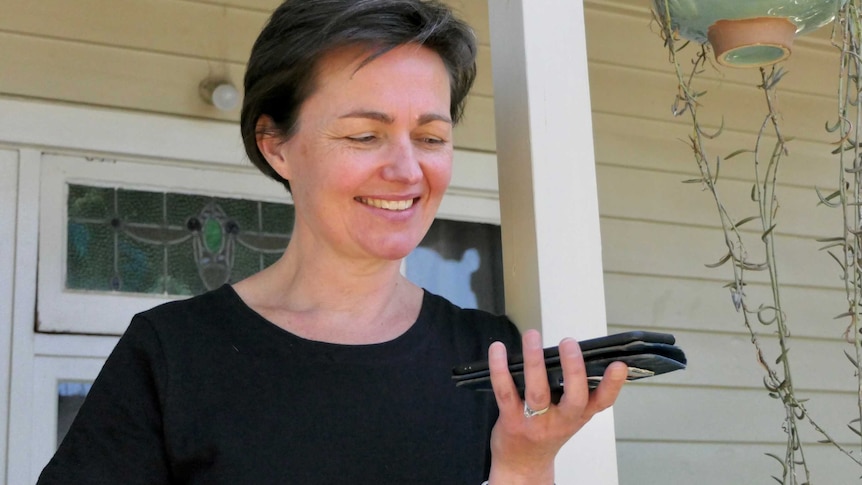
(99, 93)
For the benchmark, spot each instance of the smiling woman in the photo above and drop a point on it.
(330, 364)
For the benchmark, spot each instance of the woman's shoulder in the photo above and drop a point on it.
(470, 323)
(201, 313)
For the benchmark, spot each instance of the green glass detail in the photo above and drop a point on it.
(140, 206)
(168, 243)
(90, 202)
(181, 206)
(89, 256)
(756, 55)
(213, 237)
(140, 266)
(184, 277)
(277, 218)
(243, 212)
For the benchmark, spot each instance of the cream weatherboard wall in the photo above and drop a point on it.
(120, 67)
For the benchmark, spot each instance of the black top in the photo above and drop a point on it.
(207, 391)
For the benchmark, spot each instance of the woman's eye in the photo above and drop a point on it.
(362, 138)
(432, 140)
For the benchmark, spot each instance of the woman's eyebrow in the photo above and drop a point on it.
(385, 118)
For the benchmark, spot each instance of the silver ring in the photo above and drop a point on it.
(530, 412)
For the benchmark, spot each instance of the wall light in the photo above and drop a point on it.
(220, 93)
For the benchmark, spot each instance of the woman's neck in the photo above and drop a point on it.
(333, 299)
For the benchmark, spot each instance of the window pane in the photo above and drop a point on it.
(70, 396)
(168, 243)
(461, 261)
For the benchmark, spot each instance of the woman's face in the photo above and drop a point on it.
(372, 155)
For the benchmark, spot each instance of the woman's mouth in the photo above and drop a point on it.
(391, 205)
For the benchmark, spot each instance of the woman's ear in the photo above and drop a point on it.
(271, 146)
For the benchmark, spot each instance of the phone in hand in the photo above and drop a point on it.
(646, 354)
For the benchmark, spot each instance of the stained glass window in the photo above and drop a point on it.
(168, 243)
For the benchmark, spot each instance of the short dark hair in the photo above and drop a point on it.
(282, 67)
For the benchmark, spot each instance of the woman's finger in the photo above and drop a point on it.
(604, 396)
(577, 392)
(537, 396)
(505, 391)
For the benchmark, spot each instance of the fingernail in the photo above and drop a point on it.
(533, 339)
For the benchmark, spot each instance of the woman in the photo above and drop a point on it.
(329, 366)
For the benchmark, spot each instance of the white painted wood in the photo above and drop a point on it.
(108, 134)
(48, 372)
(8, 215)
(105, 131)
(550, 221)
(654, 144)
(704, 305)
(704, 463)
(179, 28)
(653, 412)
(92, 346)
(21, 390)
(820, 365)
(683, 251)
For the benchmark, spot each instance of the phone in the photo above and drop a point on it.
(646, 353)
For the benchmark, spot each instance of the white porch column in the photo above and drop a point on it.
(548, 198)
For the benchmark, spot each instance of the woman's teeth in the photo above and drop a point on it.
(392, 205)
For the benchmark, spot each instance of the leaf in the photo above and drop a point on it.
(833, 245)
(855, 364)
(840, 263)
(763, 320)
(738, 152)
(766, 234)
(858, 433)
(831, 129)
(827, 200)
(720, 261)
(782, 357)
(747, 219)
(779, 460)
(716, 133)
(693, 181)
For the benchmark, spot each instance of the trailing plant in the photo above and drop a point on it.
(768, 149)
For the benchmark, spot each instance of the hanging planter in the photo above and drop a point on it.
(747, 33)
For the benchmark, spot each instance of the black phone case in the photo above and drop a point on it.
(646, 353)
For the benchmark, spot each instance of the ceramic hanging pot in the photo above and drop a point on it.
(747, 33)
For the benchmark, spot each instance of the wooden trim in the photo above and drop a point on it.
(552, 251)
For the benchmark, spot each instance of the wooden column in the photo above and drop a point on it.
(548, 198)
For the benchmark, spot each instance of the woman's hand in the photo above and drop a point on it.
(523, 448)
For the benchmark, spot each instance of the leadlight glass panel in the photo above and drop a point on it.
(139, 241)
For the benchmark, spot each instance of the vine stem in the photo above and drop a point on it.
(780, 385)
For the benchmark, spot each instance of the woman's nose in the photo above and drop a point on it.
(402, 164)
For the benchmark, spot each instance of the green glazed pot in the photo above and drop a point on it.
(747, 33)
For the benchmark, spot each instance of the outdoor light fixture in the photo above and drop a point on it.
(220, 93)
(747, 33)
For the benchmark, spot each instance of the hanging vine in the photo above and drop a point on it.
(769, 148)
(846, 37)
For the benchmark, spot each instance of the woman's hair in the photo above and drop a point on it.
(284, 60)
